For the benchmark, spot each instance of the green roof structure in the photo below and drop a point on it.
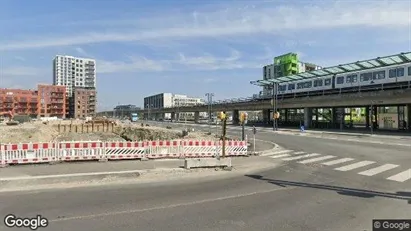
(340, 69)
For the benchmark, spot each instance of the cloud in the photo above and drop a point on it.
(19, 58)
(133, 64)
(81, 51)
(182, 62)
(21, 71)
(245, 21)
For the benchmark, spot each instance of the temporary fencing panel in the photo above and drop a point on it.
(91, 150)
(125, 150)
(197, 149)
(97, 150)
(164, 149)
(235, 148)
(28, 153)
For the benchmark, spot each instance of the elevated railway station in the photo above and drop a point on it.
(375, 92)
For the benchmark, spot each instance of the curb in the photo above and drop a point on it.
(21, 183)
(276, 146)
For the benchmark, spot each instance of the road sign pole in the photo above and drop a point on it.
(254, 132)
(242, 132)
(224, 133)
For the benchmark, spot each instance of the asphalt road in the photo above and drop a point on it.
(293, 196)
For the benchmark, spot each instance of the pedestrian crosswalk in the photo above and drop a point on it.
(345, 164)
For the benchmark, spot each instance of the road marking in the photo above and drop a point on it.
(316, 159)
(354, 166)
(297, 153)
(402, 176)
(283, 151)
(279, 156)
(301, 157)
(339, 161)
(171, 206)
(380, 169)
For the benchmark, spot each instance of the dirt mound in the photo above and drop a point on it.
(27, 133)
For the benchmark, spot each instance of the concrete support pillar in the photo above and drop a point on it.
(196, 117)
(285, 116)
(266, 116)
(173, 115)
(367, 117)
(408, 116)
(236, 117)
(374, 116)
(308, 116)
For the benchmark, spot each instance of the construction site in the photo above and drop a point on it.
(14, 129)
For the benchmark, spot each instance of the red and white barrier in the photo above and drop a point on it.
(28, 153)
(124, 150)
(98, 150)
(88, 150)
(199, 149)
(164, 149)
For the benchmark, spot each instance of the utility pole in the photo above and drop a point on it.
(209, 106)
(224, 120)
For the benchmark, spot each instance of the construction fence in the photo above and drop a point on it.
(26, 153)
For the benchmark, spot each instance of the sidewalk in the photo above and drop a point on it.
(85, 167)
(80, 174)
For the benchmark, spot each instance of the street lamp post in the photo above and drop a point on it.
(209, 100)
(274, 100)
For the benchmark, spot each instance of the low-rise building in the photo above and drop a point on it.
(18, 102)
(83, 103)
(164, 100)
(51, 101)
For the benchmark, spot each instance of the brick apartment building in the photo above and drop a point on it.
(46, 101)
(83, 103)
(51, 101)
(18, 101)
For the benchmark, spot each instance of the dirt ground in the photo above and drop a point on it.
(39, 132)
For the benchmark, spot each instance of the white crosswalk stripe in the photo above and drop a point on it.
(282, 151)
(279, 156)
(301, 157)
(316, 159)
(402, 176)
(339, 161)
(380, 169)
(354, 166)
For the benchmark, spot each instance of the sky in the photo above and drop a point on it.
(145, 47)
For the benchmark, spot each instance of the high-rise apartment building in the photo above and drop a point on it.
(74, 72)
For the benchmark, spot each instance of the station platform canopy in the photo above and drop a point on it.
(340, 69)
